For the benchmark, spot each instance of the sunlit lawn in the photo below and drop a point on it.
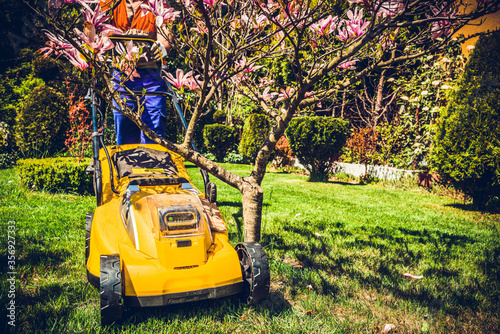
(337, 253)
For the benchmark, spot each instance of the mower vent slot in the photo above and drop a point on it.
(183, 243)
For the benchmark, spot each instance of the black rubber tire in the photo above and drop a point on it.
(111, 292)
(255, 271)
(211, 193)
(98, 182)
(88, 226)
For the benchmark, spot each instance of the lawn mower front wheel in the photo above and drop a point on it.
(111, 289)
(255, 271)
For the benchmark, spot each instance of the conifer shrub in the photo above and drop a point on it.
(254, 133)
(45, 68)
(56, 175)
(466, 151)
(219, 139)
(42, 122)
(317, 142)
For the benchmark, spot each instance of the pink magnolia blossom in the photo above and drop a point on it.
(260, 21)
(212, 3)
(98, 45)
(193, 83)
(265, 82)
(129, 56)
(343, 34)
(441, 28)
(356, 26)
(349, 65)
(412, 276)
(59, 46)
(268, 7)
(242, 65)
(56, 44)
(310, 94)
(266, 96)
(200, 28)
(235, 24)
(161, 13)
(76, 59)
(389, 8)
(285, 94)
(187, 3)
(325, 26)
(180, 80)
(97, 18)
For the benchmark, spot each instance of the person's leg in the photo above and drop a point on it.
(154, 114)
(126, 131)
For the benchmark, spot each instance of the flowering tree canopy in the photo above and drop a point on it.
(329, 46)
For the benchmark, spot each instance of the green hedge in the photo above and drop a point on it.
(56, 175)
(219, 139)
(255, 131)
(317, 142)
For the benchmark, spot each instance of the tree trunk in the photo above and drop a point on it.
(252, 198)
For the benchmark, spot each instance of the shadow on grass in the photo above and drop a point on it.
(216, 309)
(374, 257)
(342, 183)
(473, 208)
(36, 303)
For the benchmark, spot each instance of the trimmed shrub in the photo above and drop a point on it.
(42, 122)
(317, 142)
(255, 131)
(467, 144)
(45, 68)
(219, 139)
(56, 175)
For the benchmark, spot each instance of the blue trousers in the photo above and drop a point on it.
(154, 113)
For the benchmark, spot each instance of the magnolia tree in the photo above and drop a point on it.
(228, 45)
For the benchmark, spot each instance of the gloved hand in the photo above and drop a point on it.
(158, 52)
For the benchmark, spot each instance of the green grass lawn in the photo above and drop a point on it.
(337, 254)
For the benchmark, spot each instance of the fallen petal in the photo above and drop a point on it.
(388, 328)
(412, 276)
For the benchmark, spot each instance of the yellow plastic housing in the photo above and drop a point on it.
(157, 260)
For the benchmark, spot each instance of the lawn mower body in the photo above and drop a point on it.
(173, 243)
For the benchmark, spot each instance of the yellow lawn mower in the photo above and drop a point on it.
(154, 239)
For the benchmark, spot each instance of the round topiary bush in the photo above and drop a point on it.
(42, 122)
(219, 139)
(45, 68)
(317, 142)
(255, 131)
(466, 150)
